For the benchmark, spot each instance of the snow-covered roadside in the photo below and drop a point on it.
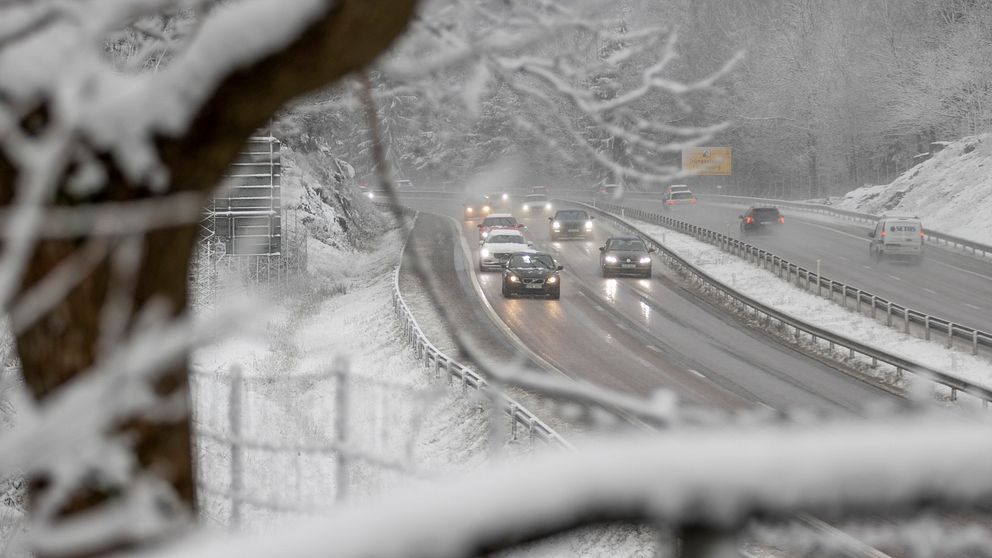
(768, 288)
(394, 412)
(949, 192)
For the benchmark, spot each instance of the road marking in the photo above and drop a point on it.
(842, 258)
(973, 307)
(866, 266)
(964, 270)
(698, 373)
(931, 291)
(831, 229)
(653, 348)
(621, 326)
(893, 277)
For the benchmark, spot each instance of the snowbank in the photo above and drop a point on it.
(782, 295)
(951, 192)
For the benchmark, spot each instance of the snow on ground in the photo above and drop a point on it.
(782, 295)
(290, 395)
(951, 192)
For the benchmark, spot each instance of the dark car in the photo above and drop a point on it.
(760, 218)
(625, 255)
(532, 274)
(570, 223)
(477, 206)
(609, 194)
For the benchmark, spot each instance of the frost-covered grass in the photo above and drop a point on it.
(950, 191)
(782, 295)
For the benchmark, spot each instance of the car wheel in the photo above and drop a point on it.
(606, 274)
(647, 274)
(555, 295)
(506, 292)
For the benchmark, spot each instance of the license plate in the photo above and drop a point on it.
(534, 286)
(627, 266)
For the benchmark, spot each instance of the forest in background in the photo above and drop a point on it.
(825, 97)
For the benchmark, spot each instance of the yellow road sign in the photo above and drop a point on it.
(707, 161)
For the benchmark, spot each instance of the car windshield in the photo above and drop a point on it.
(629, 244)
(532, 261)
(572, 216)
(765, 213)
(536, 198)
(505, 239)
(678, 188)
(500, 222)
(682, 195)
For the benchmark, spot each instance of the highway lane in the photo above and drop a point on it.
(639, 335)
(953, 286)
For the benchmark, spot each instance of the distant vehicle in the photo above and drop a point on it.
(625, 255)
(500, 201)
(760, 218)
(366, 191)
(477, 206)
(570, 223)
(679, 198)
(499, 246)
(536, 203)
(404, 184)
(532, 274)
(609, 193)
(541, 190)
(497, 221)
(897, 237)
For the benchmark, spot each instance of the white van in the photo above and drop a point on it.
(897, 237)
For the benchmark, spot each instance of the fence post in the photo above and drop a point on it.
(234, 428)
(340, 373)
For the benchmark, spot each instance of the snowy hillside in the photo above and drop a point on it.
(951, 192)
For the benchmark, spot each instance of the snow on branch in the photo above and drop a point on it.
(676, 479)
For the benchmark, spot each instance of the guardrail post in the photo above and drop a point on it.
(844, 294)
(234, 427)
(888, 313)
(954, 394)
(513, 422)
(926, 326)
(906, 319)
(857, 295)
(950, 334)
(874, 306)
(974, 342)
(447, 369)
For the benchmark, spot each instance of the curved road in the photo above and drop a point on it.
(945, 284)
(639, 335)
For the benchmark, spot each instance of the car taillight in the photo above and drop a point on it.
(781, 219)
(670, 202)
(882, 235)
(748, 220)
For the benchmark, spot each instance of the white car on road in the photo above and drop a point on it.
(499, 246)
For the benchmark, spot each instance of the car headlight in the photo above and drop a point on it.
(485, 208)
(552, 280)
(506, 197)
(370, 195)
(484, 253)
(526, 207)
(556, 225)
(468, 210)
(485, 234)
(547, 206)
(588, 225)
(610, 259)
(514, 279)
(645, 259)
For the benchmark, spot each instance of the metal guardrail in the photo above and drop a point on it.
(931, 236)
(436, 361)
(767, 313)
(974, 337)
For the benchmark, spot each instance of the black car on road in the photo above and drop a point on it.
(532, 274)
(570, 223)
(760, 218)
(625, 255)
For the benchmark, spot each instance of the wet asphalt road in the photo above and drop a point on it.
(640, 335)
